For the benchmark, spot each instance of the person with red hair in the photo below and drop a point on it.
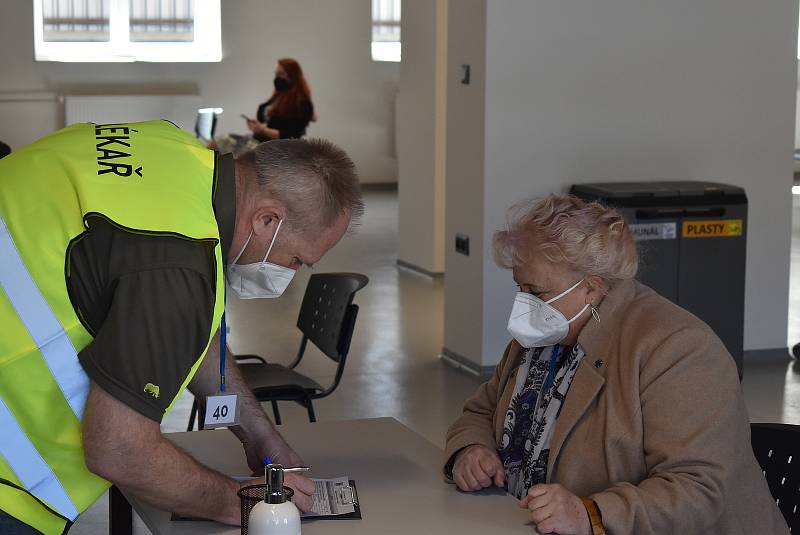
(289, 110)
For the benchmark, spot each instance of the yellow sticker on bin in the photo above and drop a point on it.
(721, 228)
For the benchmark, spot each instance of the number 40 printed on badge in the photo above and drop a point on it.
(221, 411)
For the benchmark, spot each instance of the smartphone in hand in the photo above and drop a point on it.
(245, 117)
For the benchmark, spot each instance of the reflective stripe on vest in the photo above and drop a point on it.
(26, 462)
(47, 192)
(42, 325)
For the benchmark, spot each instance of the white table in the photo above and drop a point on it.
(397, 473)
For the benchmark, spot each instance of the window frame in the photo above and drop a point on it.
(206, 46)
(383, 51)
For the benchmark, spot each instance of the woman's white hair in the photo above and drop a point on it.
(588, 237)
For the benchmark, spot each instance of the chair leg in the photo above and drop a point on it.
(120, 513)
(192, 416)
(276, 412)
(201, 417)
(311, 416)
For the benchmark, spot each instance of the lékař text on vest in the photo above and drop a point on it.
(113, 144)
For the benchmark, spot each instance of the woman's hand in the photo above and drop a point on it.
(477, 467)
(263, 130)
(554, 509)
(255, 126)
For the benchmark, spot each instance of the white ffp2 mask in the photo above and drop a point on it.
(260, 279)
(536, 323)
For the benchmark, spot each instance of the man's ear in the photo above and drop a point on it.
(266, 217)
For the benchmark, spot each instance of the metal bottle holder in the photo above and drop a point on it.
(249, 496)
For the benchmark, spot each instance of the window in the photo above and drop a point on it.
(127, 30)
(386, 30)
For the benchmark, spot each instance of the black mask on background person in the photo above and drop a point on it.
(281, 84)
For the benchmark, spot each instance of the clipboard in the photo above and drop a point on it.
(355, 515)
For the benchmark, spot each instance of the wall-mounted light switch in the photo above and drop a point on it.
(465, 74)
(462, 244)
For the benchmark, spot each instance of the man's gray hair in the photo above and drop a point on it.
(314, 179)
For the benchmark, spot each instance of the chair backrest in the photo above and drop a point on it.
(777, 448)
(327, 314)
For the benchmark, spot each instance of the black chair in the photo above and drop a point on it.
(777, 448)
(327, 319)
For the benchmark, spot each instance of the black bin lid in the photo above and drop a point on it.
(660, 193)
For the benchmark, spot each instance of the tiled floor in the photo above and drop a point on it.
(393, 369)
(772, 390)
(794, 289)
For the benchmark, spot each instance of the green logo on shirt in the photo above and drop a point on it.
(152, 389)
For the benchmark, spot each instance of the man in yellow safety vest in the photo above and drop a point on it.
(113, 248)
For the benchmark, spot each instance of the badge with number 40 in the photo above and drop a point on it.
(221, 411)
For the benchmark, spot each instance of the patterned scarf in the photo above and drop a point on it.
(543, 379)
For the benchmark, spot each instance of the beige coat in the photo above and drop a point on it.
(653, 428)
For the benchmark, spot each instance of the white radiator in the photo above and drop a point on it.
(180, 109)
(27, 116)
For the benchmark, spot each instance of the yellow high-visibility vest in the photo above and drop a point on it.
(150, 178)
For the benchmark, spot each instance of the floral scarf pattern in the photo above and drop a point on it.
(543, 380)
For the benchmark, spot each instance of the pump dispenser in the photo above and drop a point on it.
(276, 515)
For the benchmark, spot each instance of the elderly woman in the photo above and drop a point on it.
(613, 410)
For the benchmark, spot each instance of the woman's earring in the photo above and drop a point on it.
(595, 313)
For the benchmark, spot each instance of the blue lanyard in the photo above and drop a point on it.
(551, 371)
(223, 344)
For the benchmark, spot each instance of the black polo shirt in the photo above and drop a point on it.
(148, 301)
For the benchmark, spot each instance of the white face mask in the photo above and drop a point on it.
(536, 323)
(261, 279)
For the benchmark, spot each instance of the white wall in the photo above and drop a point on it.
(797, 121)
(354, 96)
(420, 134)
(594, 90)
(463, 281)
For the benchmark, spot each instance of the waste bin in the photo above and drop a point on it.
(692, 240)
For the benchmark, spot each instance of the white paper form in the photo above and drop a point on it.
(332, 497)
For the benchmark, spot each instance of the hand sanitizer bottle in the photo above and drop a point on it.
(276, 515)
